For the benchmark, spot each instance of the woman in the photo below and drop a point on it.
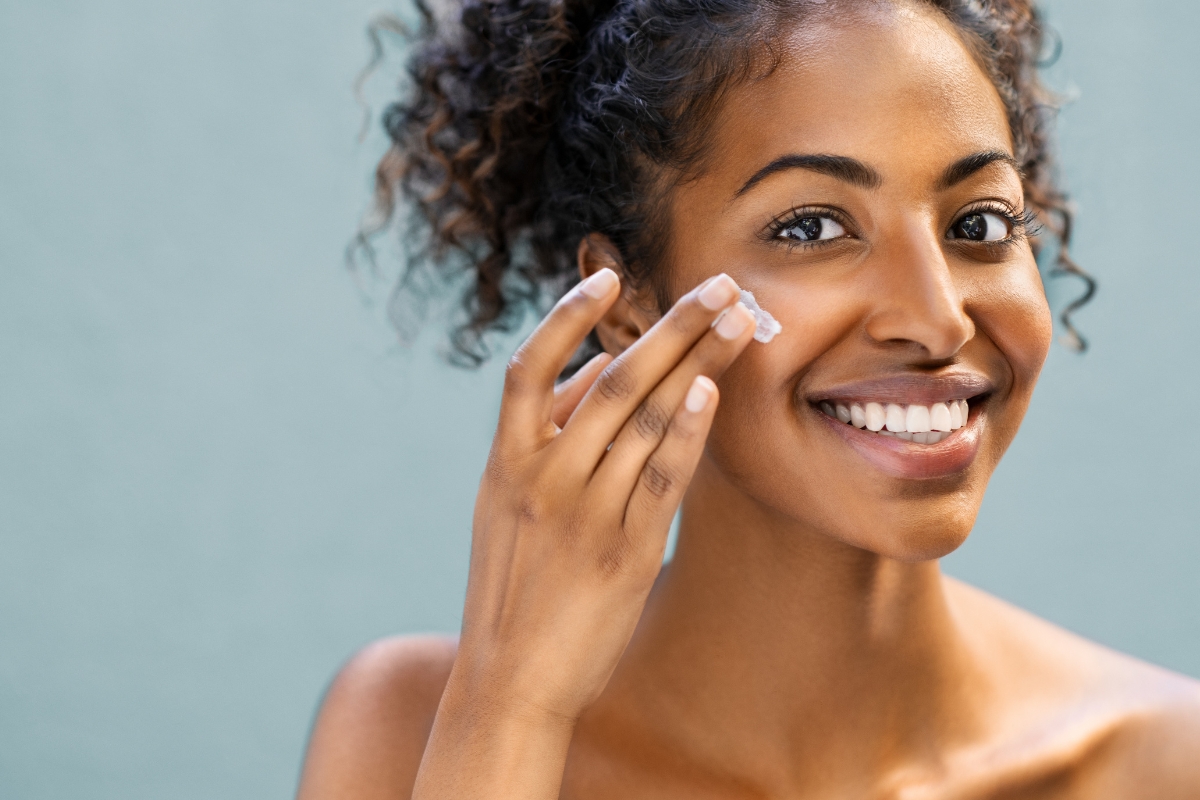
(874, 172)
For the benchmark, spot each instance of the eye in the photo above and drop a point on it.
(981, 226)
(812, 229)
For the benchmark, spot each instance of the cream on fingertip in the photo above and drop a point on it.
(600, 285)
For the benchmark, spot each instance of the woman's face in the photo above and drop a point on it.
(865, 192)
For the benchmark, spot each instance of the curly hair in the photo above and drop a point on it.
(532, 123)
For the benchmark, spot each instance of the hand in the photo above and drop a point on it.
(569, 534)
(571, 520)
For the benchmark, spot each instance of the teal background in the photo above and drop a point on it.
(219, 474)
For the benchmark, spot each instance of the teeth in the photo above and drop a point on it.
(858, 417)
(917, 419)
(913, 423)
(875, 417)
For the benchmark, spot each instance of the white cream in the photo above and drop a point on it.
(915, 423)
(765, 326)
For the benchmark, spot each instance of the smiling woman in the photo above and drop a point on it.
(875, 172)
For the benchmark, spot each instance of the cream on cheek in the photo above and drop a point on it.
(766, 327)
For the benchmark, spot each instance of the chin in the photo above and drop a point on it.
(911, 541)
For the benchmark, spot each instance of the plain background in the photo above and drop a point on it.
(219, 475)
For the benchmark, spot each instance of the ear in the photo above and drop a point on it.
(632, 315)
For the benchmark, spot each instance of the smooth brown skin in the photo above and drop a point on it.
(802, 643)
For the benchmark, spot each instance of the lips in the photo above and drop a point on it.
(912, 427)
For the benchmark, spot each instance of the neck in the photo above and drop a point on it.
(768, 644)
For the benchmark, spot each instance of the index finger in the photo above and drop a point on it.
(528, 400)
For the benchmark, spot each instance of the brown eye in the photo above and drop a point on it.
(981, 227)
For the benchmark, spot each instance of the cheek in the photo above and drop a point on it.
(757, 391)
(1011, 310)
(816, 317)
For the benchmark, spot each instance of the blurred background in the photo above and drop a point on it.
(220, 475)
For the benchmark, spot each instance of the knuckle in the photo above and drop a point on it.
(531, 510)
(614, 555)
(616, 383)
(658, 478)
(516, 373)
(650, 420)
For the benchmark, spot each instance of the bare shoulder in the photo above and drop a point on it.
(370, 733)
(1119, 726)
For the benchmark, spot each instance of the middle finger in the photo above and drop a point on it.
(630, 378)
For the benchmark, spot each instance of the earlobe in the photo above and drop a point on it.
(627, 320)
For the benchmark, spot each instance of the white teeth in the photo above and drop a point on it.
(875, 417)
(917, 419)
(914, 423)
(858, 417)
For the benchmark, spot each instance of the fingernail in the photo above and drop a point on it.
(733, 322)
(600, 285)
(719, 293)
(699, 395)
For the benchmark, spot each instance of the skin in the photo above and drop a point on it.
(802, 643)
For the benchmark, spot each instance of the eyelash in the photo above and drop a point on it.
(1022, 225)
(789, 219)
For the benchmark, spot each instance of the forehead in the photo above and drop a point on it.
(892, 85)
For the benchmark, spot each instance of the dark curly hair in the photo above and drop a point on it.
(531, 123)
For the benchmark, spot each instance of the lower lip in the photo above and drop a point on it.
(909, 460)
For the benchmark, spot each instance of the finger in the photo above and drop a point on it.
(568, 393)
(528, 400)
(668, 471)
(626, 382)
(643, 433)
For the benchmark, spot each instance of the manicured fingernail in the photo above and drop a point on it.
(699, 395)
(600, 285)
(718, 293)
(734, 321)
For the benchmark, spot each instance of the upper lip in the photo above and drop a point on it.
(909, 389)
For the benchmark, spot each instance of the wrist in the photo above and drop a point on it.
(501, 700)
(487, 742)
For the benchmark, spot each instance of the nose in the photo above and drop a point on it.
(917, 300)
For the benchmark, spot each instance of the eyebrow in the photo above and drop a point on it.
(856, 173)
(846, 169)
(964, 168)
